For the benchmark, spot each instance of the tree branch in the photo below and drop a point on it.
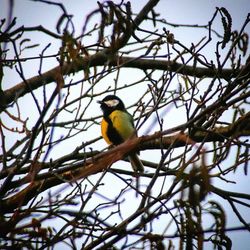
(99, 59)
(104, 160)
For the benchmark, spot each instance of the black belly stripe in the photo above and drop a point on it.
(112, 133)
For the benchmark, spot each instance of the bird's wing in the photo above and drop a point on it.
(123, 123)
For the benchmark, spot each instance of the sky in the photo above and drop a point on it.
(31, 13)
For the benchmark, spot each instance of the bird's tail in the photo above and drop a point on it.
(136, 163)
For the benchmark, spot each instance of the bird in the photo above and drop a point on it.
(117, 126)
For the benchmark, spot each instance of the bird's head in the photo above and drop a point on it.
(111, 103)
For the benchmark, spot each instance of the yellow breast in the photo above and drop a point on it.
(104, 130)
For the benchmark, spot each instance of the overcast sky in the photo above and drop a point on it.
(31, 13)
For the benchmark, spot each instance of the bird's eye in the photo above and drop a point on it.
(112, 103)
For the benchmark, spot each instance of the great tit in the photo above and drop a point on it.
(117, 126)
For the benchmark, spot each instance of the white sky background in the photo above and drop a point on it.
(30, 13)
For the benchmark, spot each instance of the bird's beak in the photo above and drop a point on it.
(100, 102)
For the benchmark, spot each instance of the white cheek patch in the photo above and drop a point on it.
(112, 103)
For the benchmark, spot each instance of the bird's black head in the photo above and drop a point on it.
(111, 103)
